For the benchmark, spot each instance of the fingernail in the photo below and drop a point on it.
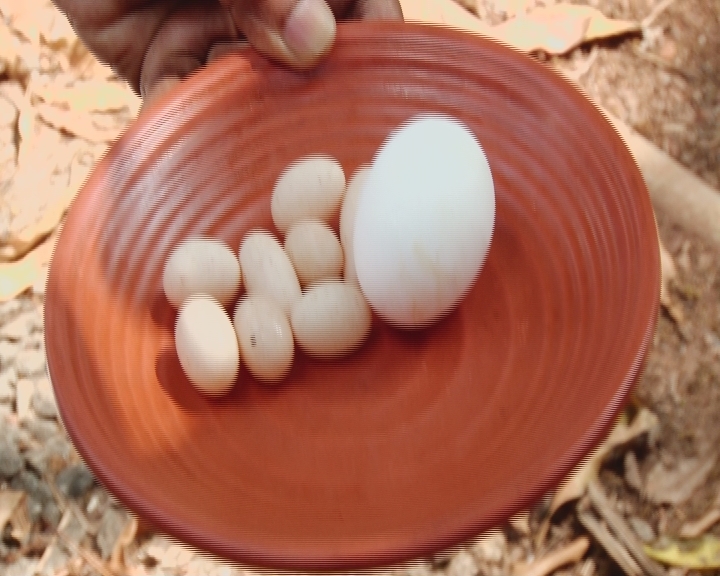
(310, 30)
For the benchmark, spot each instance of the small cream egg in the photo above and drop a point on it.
(311, 187)
(201, 266)
(424, 221)
(347, 220)
(314, 250)
(206, 345)
(267, 269)
(266, 341)
(332, 319)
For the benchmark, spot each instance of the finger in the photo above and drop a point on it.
(158, 90)
(296, 32)
(182, 43)
(223, 48)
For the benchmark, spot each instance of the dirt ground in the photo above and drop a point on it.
(666, 84)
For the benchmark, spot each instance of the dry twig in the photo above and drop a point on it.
(569, 554)
(617, 524)
(603, 536)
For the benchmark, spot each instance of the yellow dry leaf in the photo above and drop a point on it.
(700, 554)
(560, 28)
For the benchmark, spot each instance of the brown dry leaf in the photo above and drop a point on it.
(576, 484)
(701, 554)
(16, 277)
(10, 500)
(445, 12)
(676, 485)
(560, 28)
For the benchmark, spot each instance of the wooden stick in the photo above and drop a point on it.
(614, 549)
(617, 524)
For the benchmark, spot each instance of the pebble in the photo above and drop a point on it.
(111, 526)
(75, 480)
(51, 514)
(462, 564)
(43, 400)
(24, 390)
(22, 326)
(30, 362)
(21, 567)
(50, 457)
(10, 460)
(41, 430)
(9, 309)
(642, 528)
(8, 352)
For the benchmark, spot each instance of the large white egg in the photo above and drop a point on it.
(424, 221)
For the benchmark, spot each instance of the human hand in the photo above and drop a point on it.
(154, 43)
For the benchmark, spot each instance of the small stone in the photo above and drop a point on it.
(8, 352)
(74, 481)
(22, 326)
(463, 564)
(9, 309)
(41, 430)
(10, 460)
(50, 457)
(22, 567)
(24, 390)
(51, 514)
(490, 547)
(30, 363)
(111, 526)
(35, 488)
(43, 400)
(642, 528)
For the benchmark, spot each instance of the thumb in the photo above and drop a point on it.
(295, 32)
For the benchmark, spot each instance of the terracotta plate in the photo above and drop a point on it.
(418, 441)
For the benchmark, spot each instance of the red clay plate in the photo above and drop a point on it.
(419, 441)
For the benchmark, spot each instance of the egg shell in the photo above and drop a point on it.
(267, 269)
(332, 319)
(310, 188)
(201, 266)
(347, 220)
(424, 221)
(314, 250)
(267, 346)
(206, 345)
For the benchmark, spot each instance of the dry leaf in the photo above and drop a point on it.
(16, 277)
(701, 554)
(9, 501)
(676, 485)
(560, 28)
(445, 12)
(576, 484)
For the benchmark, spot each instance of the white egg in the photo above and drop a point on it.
(332, 319)
(311, 187)
(201, 266)
(314, 250)
(347, 220)
(267, 270)
(424, 221)
(266, 341)
(206, 345)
